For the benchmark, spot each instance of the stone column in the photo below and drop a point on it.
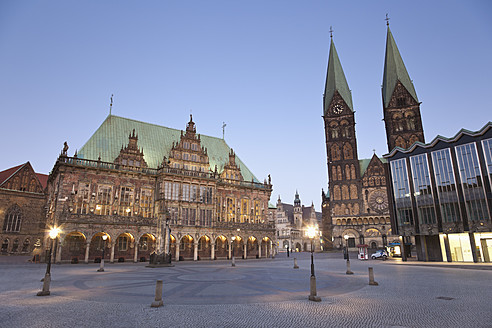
(111, 259)
(195, 251)
(212, 252)
(245, 250)
(259, 249)
(230, 250)
(58, 253)
(87, 246)
(177, 252)
(135, 257)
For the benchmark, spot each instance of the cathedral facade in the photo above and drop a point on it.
(149, 188)
(356, 206)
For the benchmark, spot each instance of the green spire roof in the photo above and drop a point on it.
(156, 142)
(335, 80)
(394, 71)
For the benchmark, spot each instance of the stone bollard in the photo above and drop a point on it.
(158, 295)
(295, 263)
(348, 268)
(233, 261)
(46, 286)
(371, 277)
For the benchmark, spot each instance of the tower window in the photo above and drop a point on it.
(401, 101)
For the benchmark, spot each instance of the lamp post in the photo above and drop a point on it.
(312, 282)
(232, 246)
(47, 277)
(101, 266)
(347, 253)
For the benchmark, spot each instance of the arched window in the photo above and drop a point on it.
(336, 193)
(5, 245)
(352, 171)
(347, 151)
(335, 153)
(25, 246)
(347, 172)
(345, 192)
(15, 245)
(339, 173)
(12, 222)
(353, 191)
(334, 172)
(32, 185)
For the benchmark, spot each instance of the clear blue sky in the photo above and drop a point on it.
(257, 65)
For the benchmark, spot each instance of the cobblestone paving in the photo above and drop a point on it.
(256, 293)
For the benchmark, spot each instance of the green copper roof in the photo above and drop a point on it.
(364, 164)
(156, 142)
(335, 80)
(394, 71)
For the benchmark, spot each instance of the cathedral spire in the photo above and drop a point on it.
(335, 80)
(394, 71)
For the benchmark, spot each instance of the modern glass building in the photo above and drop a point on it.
(440, 193)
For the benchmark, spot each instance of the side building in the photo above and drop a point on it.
(22, 209)
(442, 196)
(150, 188)
(292, 222)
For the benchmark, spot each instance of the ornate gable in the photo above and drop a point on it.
(131, 155)
(231, 170)
(22, 178)
(188, 153)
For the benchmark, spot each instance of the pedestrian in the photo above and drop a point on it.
(287, 251)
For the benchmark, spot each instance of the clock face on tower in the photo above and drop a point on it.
(337, 109)
(378, 201)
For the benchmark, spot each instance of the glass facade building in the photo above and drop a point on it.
(441, 195)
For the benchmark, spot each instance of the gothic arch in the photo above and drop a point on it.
(335, 153)
(336, 192)
(345, 192)
(347, 172)
(13, 219)
(352, 171)
(353, 191)
(339, 172)
(334, 172)
(348, 151)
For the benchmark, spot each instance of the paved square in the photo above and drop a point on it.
(255, 293)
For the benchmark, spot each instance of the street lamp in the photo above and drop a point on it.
(101, 266)
(347, 253)
(47, 277)
(232, 245)
(311, 232)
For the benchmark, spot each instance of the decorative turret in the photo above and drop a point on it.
(131, 155)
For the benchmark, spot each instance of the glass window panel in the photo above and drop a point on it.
(423, 189)
(471, 182)
(446, 185)
(403, 200)
(487, 149)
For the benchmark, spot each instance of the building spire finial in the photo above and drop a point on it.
(111, 105)
(223, 130)
(387, 19)
(331, 32)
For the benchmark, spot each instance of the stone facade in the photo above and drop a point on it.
(22, 210)
(183, 207)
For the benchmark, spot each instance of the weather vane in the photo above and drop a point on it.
(111, 105)
(223, 130)
(387, 19)
(331, 32)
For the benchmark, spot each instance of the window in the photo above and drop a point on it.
(186, 193)
(12, 222)
(471, 182)
(403, 201)
(446, 185)
(82, 205)
(175, 195)
(122, 243)
(168, 190)
(146, 202)
(25, 246)
(487, 149)
(103, 206)
(423, 189)
(126, 201)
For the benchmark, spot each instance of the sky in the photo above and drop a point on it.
(258, 66)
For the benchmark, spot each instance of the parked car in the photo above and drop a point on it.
(380, 254)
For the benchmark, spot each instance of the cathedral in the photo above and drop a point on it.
(355, 207)
(137, 188)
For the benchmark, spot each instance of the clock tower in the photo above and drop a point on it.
(341, 143)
